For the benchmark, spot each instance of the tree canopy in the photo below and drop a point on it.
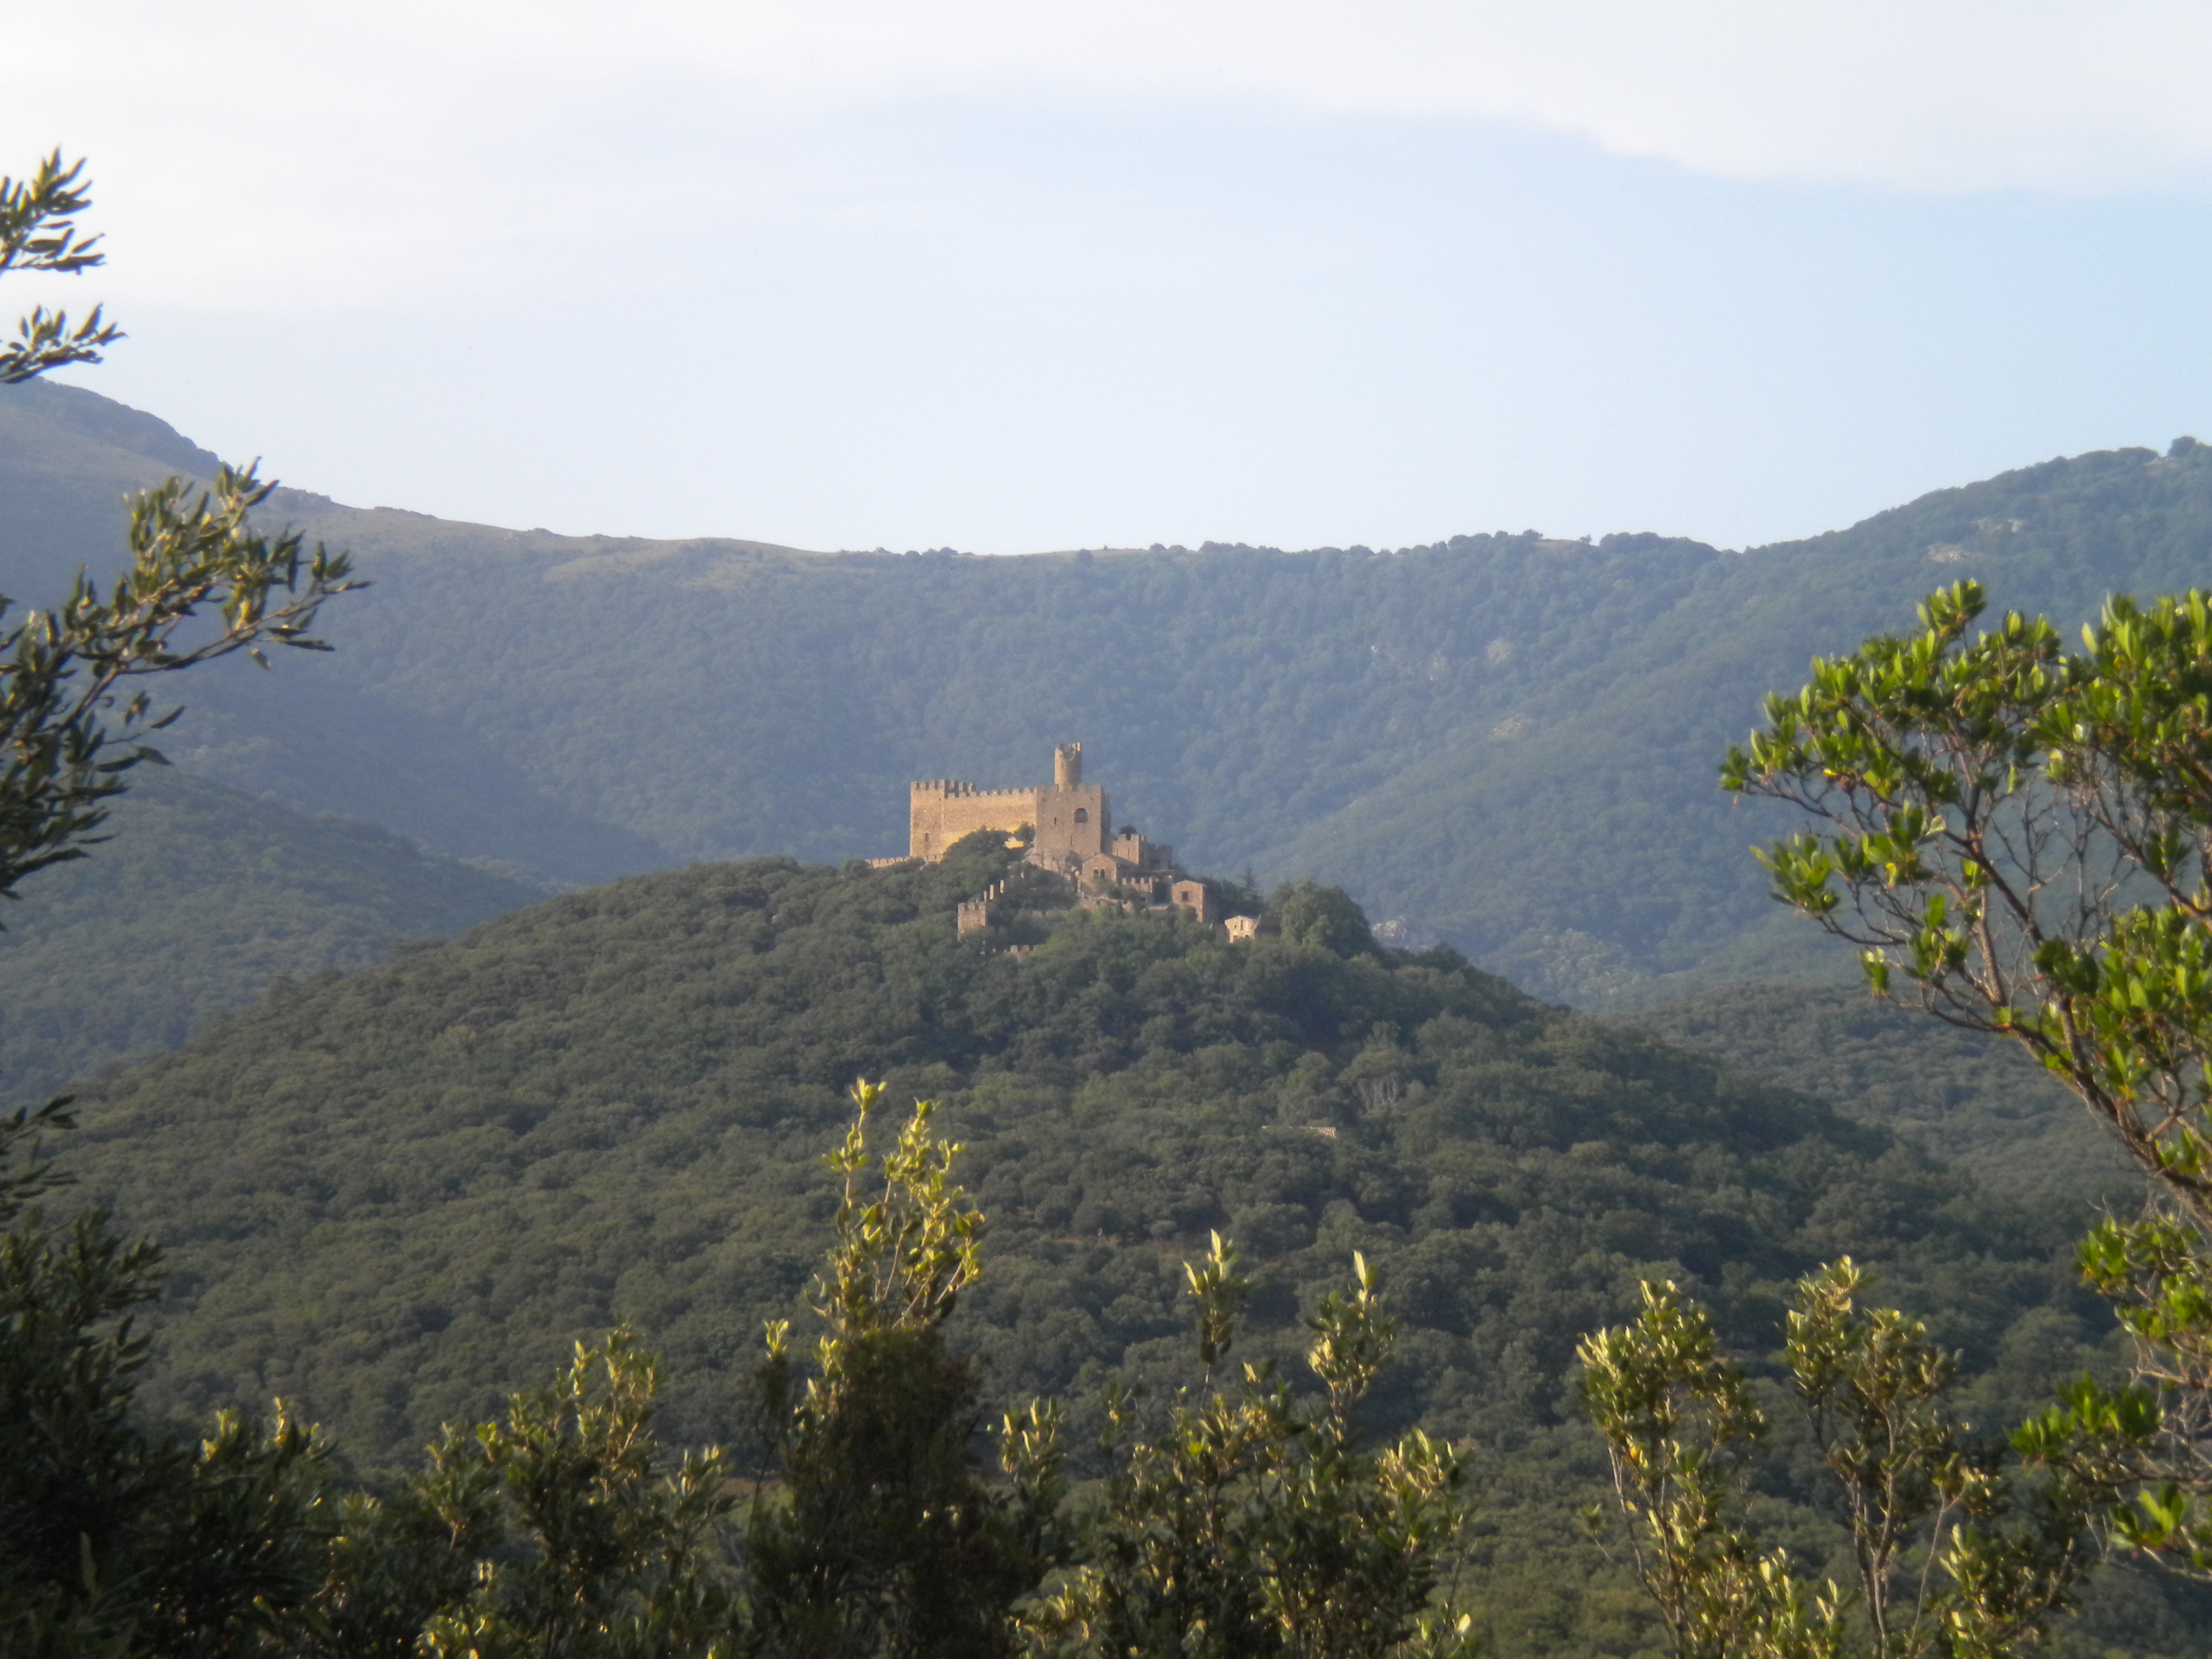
(2020, 837)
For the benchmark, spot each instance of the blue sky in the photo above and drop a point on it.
(1008, 276)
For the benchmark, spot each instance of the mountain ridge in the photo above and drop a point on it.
(396, 1193)
(202, 898)
(1507, 740)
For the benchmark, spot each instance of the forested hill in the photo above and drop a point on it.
(1508, 739)
(204, 897)
(1976, 1102)
(393, 1196)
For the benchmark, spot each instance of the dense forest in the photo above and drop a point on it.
(403, 1183)
(202, 898)
(524, 1265)
(1979, 1105)
(1415, 724)
(392, 1195)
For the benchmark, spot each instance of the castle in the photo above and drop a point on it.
(1071, 835)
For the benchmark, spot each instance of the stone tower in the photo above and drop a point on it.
(1070, 819)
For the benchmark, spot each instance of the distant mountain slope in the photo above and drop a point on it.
(1976, 1102)
(68, 461)
(1596, 834)
(610, 1104)
(203, 898)
(68, 458)
(1509, 740)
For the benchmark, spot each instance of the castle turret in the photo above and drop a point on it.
(1067, 766)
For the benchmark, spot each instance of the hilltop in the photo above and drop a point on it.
(1507, 740)
(392, 1196)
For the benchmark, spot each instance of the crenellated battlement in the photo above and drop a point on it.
(955, 789)
(1067, 825)
(1066, 821)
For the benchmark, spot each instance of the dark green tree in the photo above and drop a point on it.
(880, 1533)
(1325, 918)
(121, 1534)
(38, 233)
(68, 731)
(553, 1530)
(1961, 1546)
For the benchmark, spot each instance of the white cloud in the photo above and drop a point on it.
(1932, 94)
(1935, 93)
(261, 155)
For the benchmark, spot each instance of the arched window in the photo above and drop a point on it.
(1082, 815)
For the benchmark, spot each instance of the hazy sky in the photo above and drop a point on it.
(1013, 274)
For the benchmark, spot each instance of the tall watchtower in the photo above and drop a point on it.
(1072, 823)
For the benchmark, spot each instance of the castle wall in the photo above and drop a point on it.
(943, 810)
(1072, 819)
(1134, 850)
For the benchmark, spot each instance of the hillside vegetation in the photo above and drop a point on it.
(396, 1196)
(392, 1196)
(1972, 1100)
(203, 898)
(1508, 739)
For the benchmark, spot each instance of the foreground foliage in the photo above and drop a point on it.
(63, 670)
(879, 1533)
(1255, 1527)
(386, 1197)
(556, 1529)
(2025, 837)
(123, 1535)
(1959, 1547)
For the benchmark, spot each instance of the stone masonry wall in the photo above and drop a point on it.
(943, 810)
(1071, 824)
